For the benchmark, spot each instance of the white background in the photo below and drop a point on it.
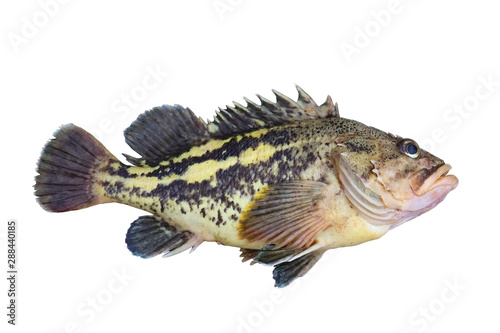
(406, 76)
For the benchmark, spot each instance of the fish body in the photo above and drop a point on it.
(209, 186)
(283, 181)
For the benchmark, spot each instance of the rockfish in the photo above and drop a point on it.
(284, 181)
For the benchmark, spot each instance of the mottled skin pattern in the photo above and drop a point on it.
(283, 181)
(205, 189)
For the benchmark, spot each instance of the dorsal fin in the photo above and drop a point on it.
(164, 131)
(241, 118)
(167, 130)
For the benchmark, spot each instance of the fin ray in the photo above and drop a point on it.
(286, 272)
(164, 131)
(268, 255)
(293, 223)
(67, 168)
(268, 114)
(149, 236)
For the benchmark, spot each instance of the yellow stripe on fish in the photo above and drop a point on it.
(284, 181)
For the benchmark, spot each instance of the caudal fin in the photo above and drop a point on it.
(67, 168)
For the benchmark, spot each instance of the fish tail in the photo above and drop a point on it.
(67, 171)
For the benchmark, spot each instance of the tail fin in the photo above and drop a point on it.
(67, 168)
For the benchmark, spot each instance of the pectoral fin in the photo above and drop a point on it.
(285, 215)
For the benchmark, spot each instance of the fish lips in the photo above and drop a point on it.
(429, 187)
(427, 180)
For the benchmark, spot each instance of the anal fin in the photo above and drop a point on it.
(149, 236)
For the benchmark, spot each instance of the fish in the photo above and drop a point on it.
(283, 181)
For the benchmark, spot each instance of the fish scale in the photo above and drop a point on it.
(180, 188)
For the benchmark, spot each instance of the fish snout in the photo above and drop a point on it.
(426, 180)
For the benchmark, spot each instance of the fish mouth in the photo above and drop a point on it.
(427, 180)
(430, 187)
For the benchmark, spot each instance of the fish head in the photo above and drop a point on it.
(388, 179)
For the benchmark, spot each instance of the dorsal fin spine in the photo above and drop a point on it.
(265, 103)
(251, 104)
(304, 97)
(235, 116)
(327, 107)
(285, 101)
(169, 130)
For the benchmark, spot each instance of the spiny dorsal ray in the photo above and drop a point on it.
(167, 130)
(239, 118)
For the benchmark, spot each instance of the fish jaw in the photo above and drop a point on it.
(432, 190)
(422, 182)
(427, 192)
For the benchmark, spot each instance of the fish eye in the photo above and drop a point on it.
(409, 148)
